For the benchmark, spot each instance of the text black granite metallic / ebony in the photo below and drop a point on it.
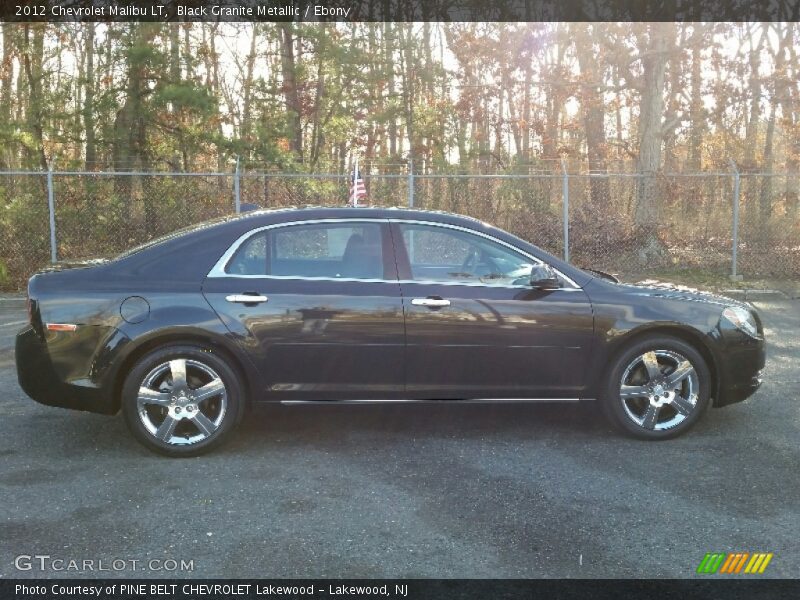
(370, 305)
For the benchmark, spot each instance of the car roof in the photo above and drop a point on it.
(376, 212)
(212, 238)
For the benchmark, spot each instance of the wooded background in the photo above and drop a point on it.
(650, 99)
(454, 96)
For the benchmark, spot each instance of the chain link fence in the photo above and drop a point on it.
(625, 223)
(102, 215)
(24, 227)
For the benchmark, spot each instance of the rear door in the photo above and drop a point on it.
(474, 326)
(317, 304)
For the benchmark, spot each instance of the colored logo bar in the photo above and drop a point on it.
(734, 562)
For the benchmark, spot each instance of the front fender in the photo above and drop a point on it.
(621, 318)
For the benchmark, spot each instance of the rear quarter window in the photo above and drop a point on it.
(326, 250)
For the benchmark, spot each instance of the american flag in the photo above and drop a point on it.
(357, 188)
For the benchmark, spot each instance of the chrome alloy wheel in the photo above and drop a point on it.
(182, 401)
(659, 389)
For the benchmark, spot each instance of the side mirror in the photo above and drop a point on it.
(543, 277)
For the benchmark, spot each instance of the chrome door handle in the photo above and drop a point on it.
(246, 298)
(434, 302)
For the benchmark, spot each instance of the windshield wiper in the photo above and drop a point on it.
(602, 274)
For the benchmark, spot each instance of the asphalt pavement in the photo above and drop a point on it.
(405, 491)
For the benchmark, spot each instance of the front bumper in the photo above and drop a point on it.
(741, 392)
(41, 375)
(740, 364)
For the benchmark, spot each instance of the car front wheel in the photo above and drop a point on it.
(182, 400)
(657, 388)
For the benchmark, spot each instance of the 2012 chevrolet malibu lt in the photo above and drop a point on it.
(365, 305)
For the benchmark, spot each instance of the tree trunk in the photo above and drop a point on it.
(696, 111)
(316, 130)
(618, 102)
(671, 119)
(654, 63)
(754, 120)
(247, 88)
(408, 88)
(215, 86)
(780, 94)
(513, 117)
(792, 119)
(6, 74)
(130, 125)
(33, 56)
(290, 94)
(90, 154)
(593, 108)
(526, 102)
(188, 60)
(179, 149)
(388, 37)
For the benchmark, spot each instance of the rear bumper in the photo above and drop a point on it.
(40, 378)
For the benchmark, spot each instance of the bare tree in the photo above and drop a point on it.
(654, 52)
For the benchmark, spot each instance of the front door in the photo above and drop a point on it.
(474, 326)
(318, 305)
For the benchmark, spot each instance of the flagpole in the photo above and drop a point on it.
(355, 184)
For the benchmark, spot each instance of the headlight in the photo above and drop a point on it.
(743, 320)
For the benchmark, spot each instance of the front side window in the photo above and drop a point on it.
(451, 255)
(330, 250)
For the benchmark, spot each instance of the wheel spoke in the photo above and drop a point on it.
(651, 364)
(166, 429)
(650, 417)
(166, 398)
(626, 392)
(213, 388)
(203, 423)
(148, 396)
(682, 405)
(681, 372)
(178, 369)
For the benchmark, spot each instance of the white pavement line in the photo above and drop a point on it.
(13, 323)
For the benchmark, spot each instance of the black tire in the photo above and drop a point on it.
(223, 410)
(622, 413)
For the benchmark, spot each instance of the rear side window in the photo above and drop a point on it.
(329, 250)
(251, 257)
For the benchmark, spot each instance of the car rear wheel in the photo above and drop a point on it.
(657, 388)
(182, 400)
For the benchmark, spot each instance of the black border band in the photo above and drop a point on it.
(399, 10)
(415, 589)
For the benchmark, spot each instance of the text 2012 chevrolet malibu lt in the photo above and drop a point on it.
(365, 304)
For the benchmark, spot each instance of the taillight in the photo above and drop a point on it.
(61, 327)
(29, 308)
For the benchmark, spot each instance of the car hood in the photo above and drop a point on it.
(659, 289)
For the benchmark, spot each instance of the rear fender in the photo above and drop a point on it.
(172, 323)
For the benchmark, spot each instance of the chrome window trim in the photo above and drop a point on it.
(218, 270)
(478, 284)
(491, 238)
